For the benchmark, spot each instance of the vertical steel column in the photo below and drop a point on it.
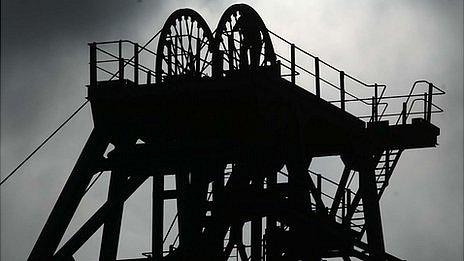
(376, 94)
(121, 62)
(271, 182)
(217, 212)
(182, 194)
(157, 216)
(256, 239)
(371, 207)
(374, 109)
(149, 77)
(319, 191)
(343, 204)
(342, 90)
(93, 64)
(136, 64)
(256, 222)
(292, 59)
(70, 197)
(317, 76)
(404, 113)
(112, 226)
(271, 223)
(429, 103)
(425, 106)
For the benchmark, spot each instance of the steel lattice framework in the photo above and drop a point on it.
(224, 115)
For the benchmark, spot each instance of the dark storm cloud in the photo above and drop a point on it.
(44, 67)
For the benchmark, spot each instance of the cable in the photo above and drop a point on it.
(44, 142)
(64, 123)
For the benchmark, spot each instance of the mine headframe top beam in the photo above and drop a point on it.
(241, 108)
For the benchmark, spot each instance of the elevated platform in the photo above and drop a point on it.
(234, 117)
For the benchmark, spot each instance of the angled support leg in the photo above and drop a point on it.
(371, 206)
(157, 216)
(112, 227)
(340, 191)
(97, 219)
(70, 197)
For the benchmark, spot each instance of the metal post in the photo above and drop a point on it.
(271, 221)
(292, 58)
(376, 103)
(257, 221)
(425, 106)
(136, 64)
(157, 216)
(93, 64)
(218, 199)
(429, 103)
(374, 109)
(317, 75)
(319, 190)
(404, 112)
(149, 77)
(121, 62)
(182, 209)
(343, 204)
(348, 203)
(342, 90)
(256, 239)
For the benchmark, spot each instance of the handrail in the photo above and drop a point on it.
(378, 101)
(323, 62)
(137, 50)
(379, 89)
(130, 61)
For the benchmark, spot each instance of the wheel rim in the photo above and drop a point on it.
(242, 41)
(184, 47)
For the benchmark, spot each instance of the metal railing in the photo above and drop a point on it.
(375, 100)
(114, 65)
(106, 66)
(370, 107)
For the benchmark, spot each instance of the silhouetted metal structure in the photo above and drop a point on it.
(224, 114)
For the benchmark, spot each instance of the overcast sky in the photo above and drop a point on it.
(44, 67)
